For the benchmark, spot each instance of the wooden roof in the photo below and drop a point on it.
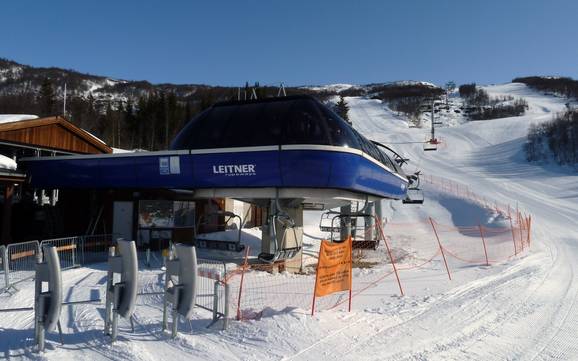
(54, 133)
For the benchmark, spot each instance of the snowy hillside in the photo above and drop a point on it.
(521, 308)
(17, 78)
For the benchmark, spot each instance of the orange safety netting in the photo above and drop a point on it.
(393, 251)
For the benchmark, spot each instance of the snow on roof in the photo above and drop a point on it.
(120, 150)
(9, 118)
(7, 163)
(94, 136)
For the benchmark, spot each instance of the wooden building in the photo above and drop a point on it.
(48, 136)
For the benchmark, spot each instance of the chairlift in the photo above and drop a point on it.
(414, 194)
(431, 144)
(355, 243)
(325, 223)
(281, 252)
(221, 245)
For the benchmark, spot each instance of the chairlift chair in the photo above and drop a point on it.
(325, 223)
(414, 194)
(431, 144)
(281, 252)
(221, 245)
(355, 243)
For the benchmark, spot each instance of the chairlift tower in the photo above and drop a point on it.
(432, 143)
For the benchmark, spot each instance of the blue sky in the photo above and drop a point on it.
(297, 42)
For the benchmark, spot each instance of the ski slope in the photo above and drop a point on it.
(523, 309)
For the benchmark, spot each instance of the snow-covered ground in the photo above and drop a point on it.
(524, 308)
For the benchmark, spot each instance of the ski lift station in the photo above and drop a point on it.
(280, 156)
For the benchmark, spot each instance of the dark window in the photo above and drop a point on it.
(212, 129)
(294, 120)
(340, 132)
(257, 124)
(305, 124)
(190, 134)
(373, 151)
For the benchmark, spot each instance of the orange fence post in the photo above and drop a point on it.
(513, 237)
(390, 255)
(529, 230)
(314, 288)
(245, 264)
(520, 229)
(441, 248)
(350, 271)
(484, 243)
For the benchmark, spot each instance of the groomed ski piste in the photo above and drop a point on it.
(523, 308)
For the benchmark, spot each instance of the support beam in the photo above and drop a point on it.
(345, 223)
(379, 211)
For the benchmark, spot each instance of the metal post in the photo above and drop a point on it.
(82, 256)
(40, 341)
(345, 223)
(175, 325)
(166, 287)
(38, 310)
(6, 268)
(109, 300)
(379, 212)
(433, 136)
(369, 223)
(74, 253)
(114, 324)
(215, 301)
(226, 310)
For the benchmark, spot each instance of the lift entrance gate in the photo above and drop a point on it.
(186, 276)
(47, 295)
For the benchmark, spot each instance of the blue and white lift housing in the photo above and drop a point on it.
(291, 147)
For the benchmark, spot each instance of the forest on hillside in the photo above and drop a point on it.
(557, 139)
(148, 121)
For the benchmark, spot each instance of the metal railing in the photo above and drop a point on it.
(212, 289)
(19, 262)
(81, 250)
(3, 272)
(94, 248)
(67, 249)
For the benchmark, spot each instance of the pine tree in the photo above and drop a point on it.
(46, 98)
(342, 109)
(173, 109)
